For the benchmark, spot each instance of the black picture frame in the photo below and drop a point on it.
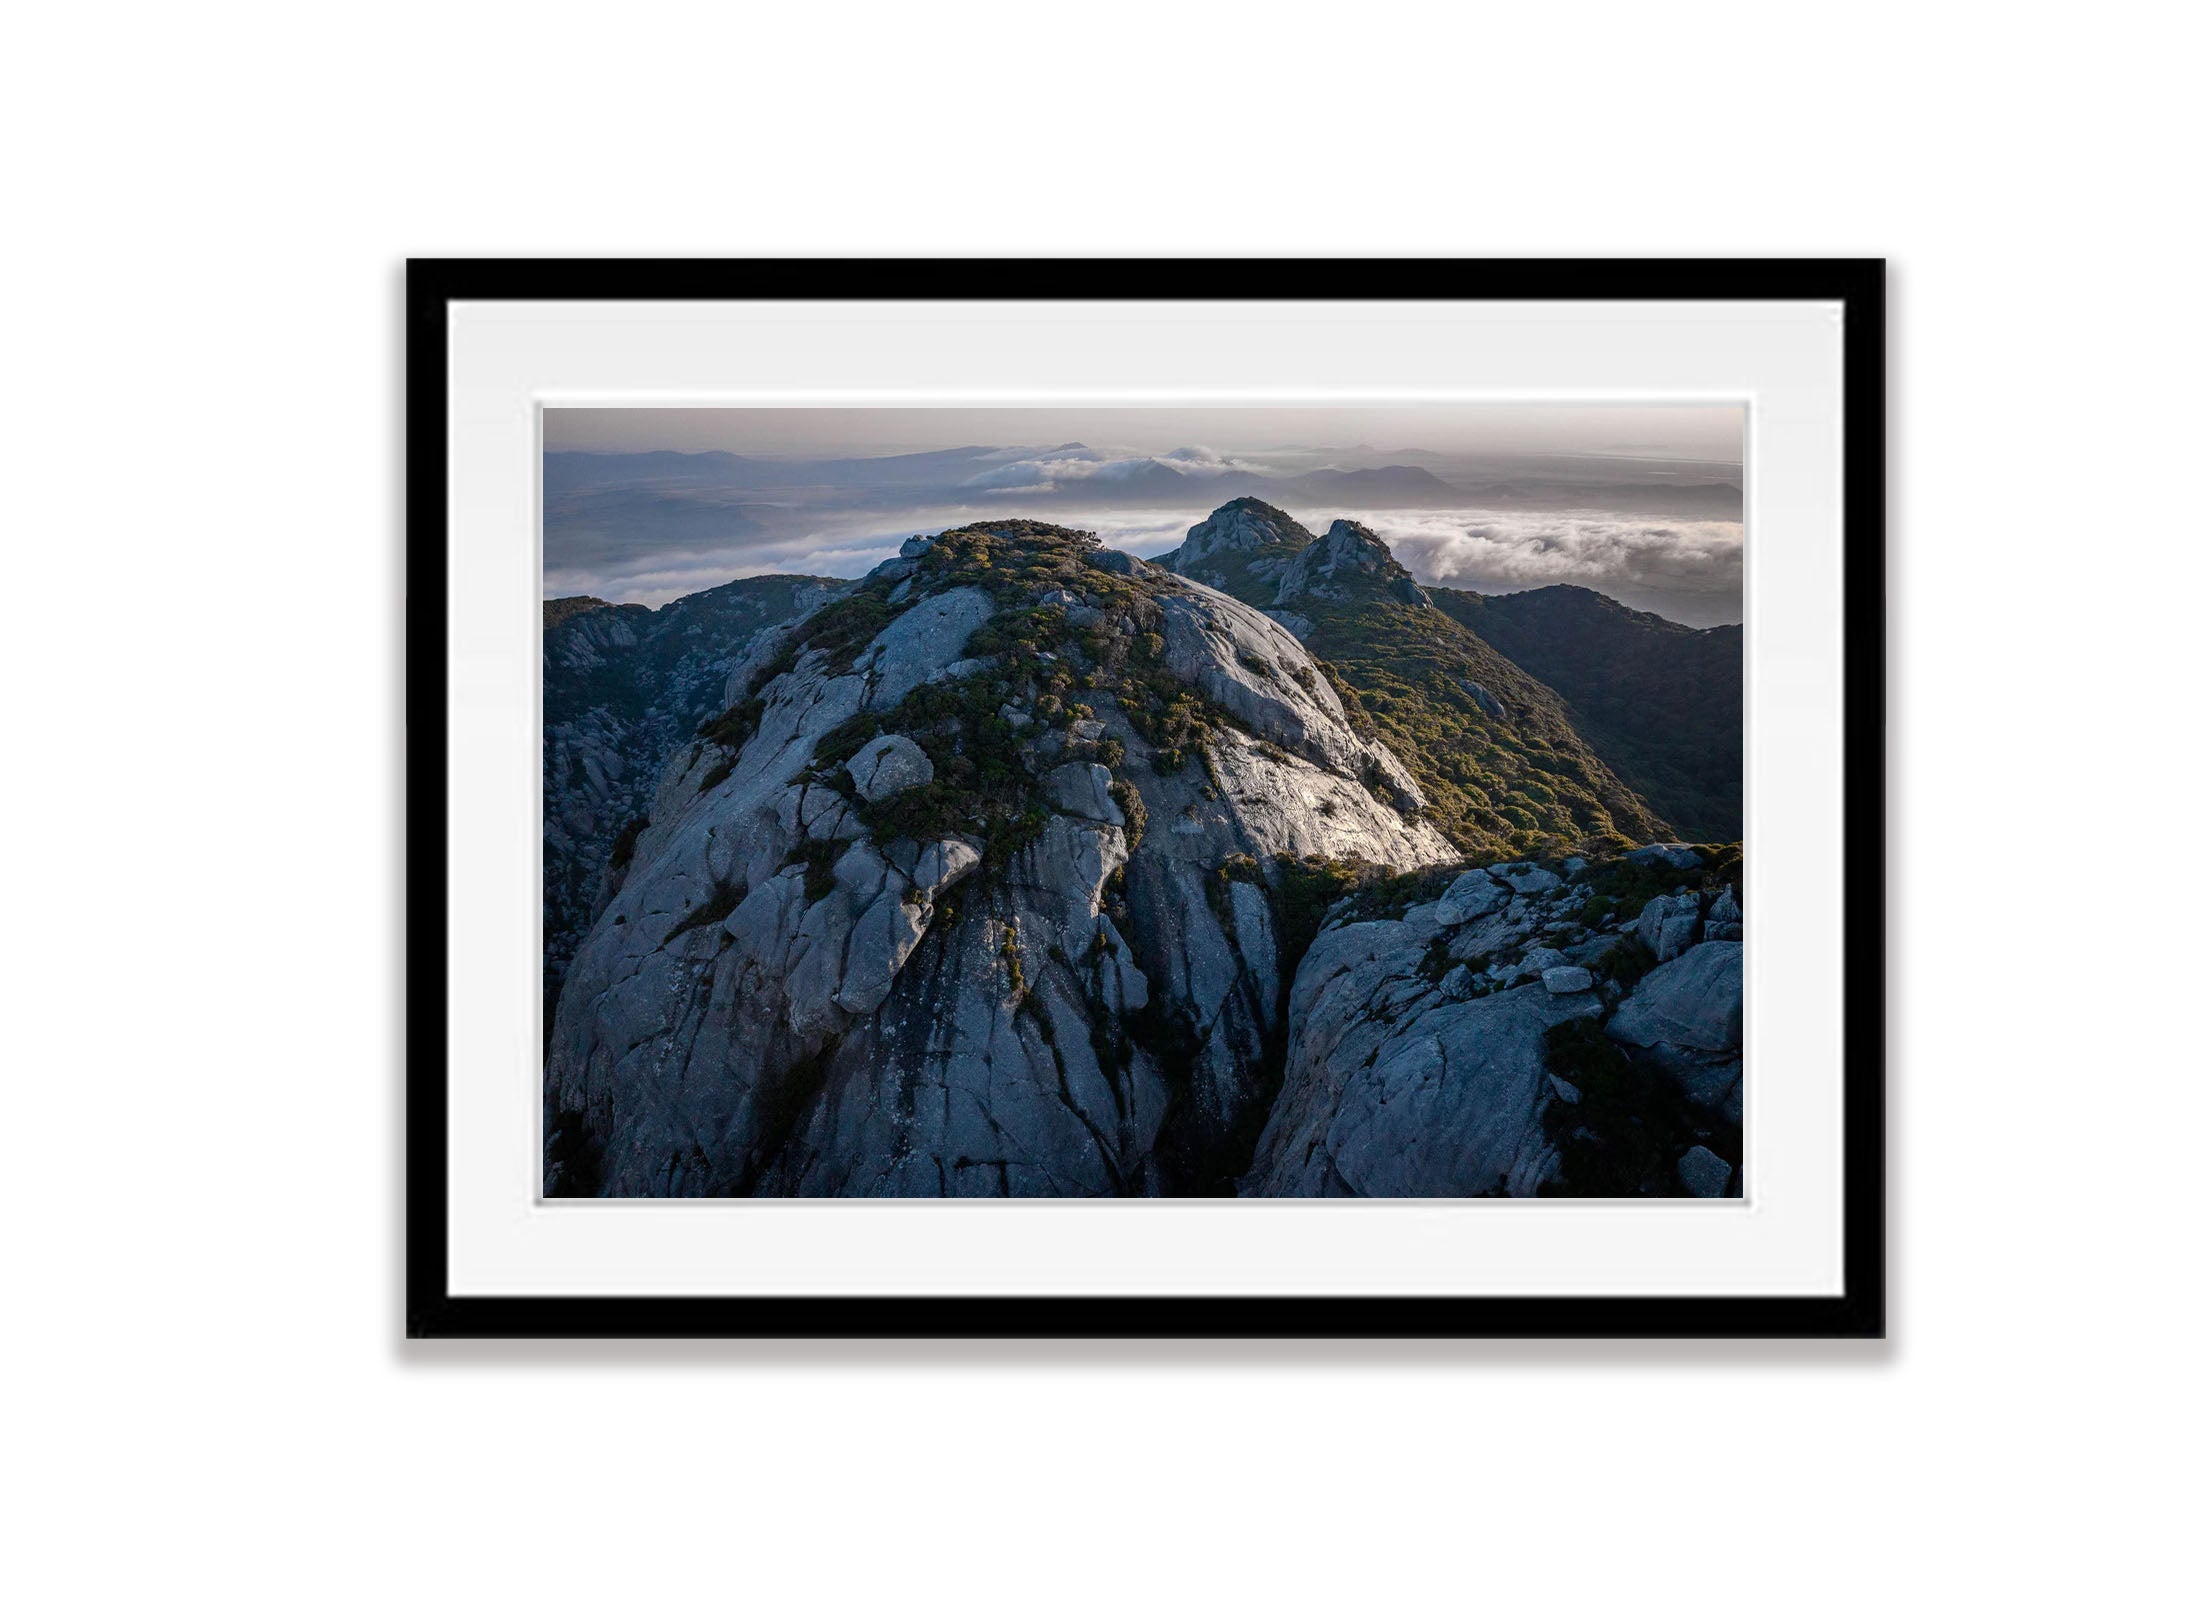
(432, 1311)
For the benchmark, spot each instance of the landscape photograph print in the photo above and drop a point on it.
(1206, 802)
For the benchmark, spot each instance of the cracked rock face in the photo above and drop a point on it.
(677, 1031)
(623, 688)
(1398, 1083)
(984, 1074)
(1419, 1045)
(1256, 669)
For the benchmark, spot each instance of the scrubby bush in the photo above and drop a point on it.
(1133, 806)
(724, 900)
(622, 847)
(817, 858)
(1626, 1134)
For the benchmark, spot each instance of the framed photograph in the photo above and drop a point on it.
(1160, 798)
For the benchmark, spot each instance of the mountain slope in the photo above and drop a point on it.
(1028, 868)
(622, 686)
(975, 887)
(1660, 702)
(1504, 769)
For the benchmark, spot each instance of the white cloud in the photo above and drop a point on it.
(1688, 570)
(1058, 466)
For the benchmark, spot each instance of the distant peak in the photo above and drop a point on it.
(571, 605)
(1243, 524)
(1348, 561)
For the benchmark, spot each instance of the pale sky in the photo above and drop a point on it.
(1680, 430)
(1641, 501)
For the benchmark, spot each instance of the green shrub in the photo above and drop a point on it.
(622, 847)
(724, 900)
(817, 858)
(1306, 888)
(1625, 963)
(731, 728)
(1133, 806)
(1632, 1124)
(834, 748)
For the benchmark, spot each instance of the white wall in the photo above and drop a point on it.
(208, 207)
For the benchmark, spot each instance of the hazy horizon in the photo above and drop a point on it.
(1639, 501)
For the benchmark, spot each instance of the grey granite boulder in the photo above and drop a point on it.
(877, 948)
(1526, 877)
(1120, 562)
(1080, 788)
(1474, 893)
(1703, 1173)
(1667, 925)
(1568, 980)
(1688, 1017)
(887, 765)
(945, 863)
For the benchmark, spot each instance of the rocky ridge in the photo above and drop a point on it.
(1492, 750)
(1430, 1044)
(1013, 969)
(1028, 868)
(1346, 563)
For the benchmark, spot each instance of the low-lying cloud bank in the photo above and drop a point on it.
(1690, 571)
(1686, 570)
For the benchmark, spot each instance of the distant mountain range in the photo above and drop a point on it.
(1075, 474)
(932, 469)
